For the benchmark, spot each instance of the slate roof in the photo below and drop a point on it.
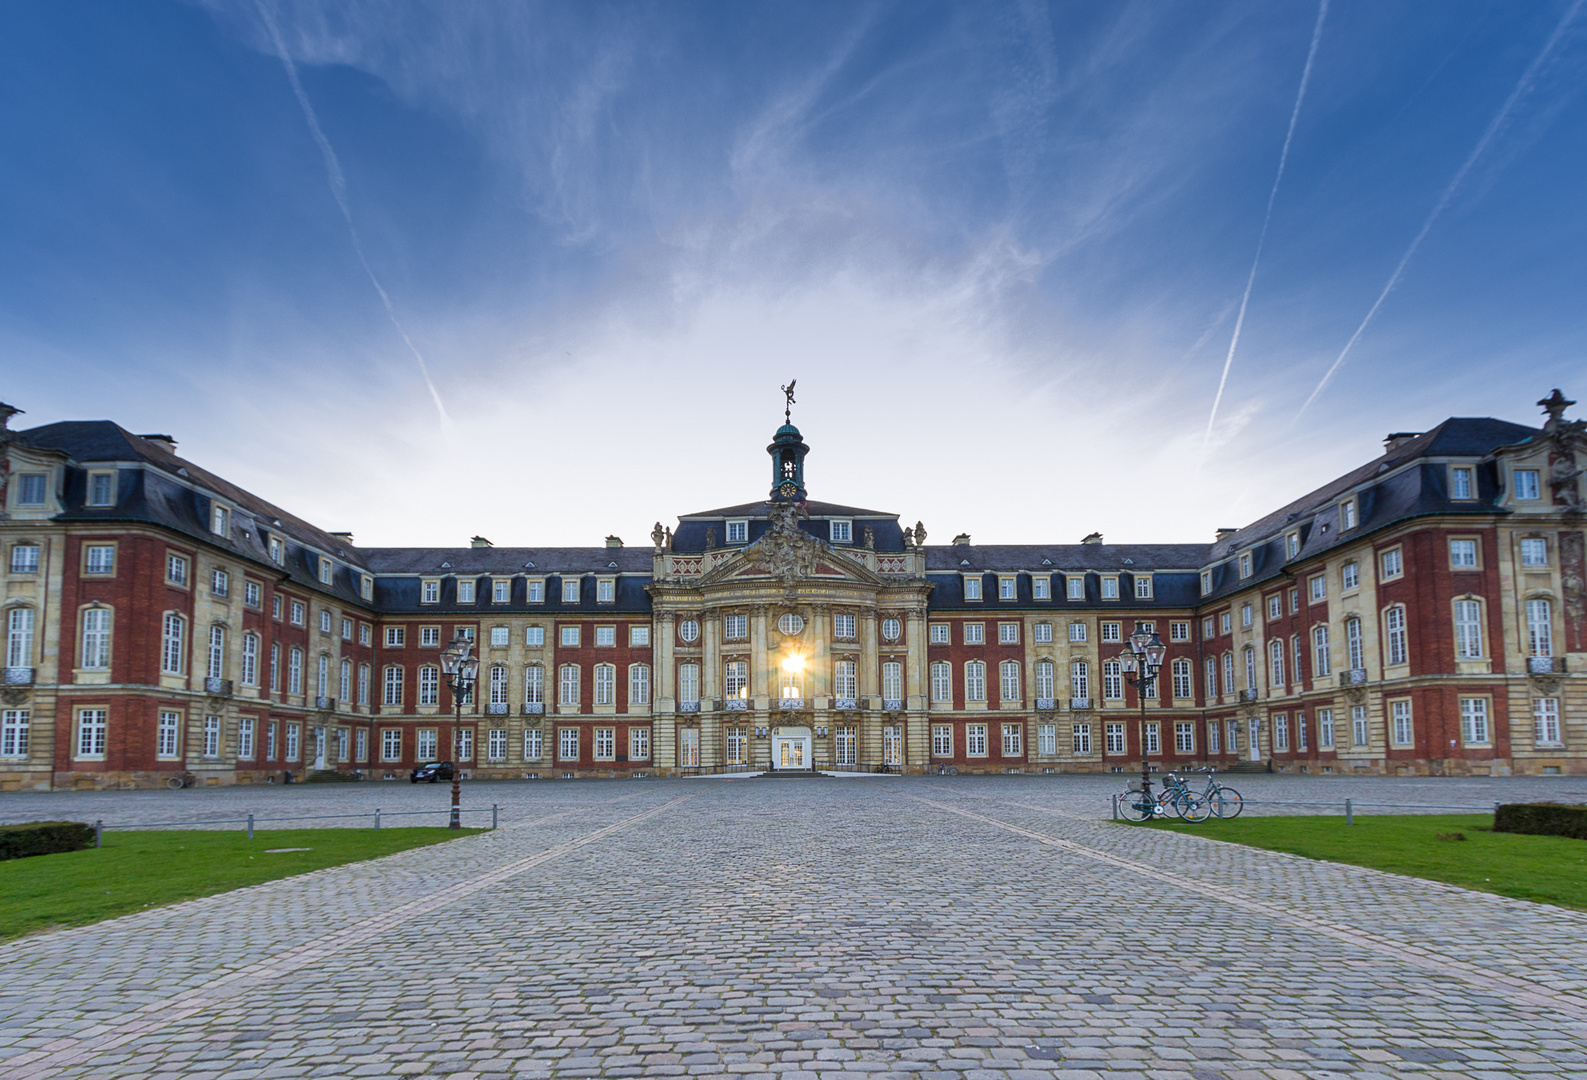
(508, 561)
(1061, 557)
(813, 508)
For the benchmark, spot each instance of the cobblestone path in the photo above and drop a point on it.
(957, 928)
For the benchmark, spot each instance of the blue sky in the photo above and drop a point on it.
(1003, 247)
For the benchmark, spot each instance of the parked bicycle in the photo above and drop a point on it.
(1140, 804)
(1225, 801)
(181, 780)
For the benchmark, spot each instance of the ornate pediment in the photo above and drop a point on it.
(788, 553)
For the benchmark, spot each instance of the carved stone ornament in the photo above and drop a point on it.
(786, 551)
(1545, 685)
(1356, 695)
(658, 536)
(14, 695)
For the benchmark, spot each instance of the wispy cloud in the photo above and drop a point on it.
(1528, 78)
(1267, 219)
(338, 184)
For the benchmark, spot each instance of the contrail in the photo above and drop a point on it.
(1521, 87)
(1283, 157)
(338, 182)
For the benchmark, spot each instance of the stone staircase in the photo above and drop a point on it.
(331, 776)
(1245, 767)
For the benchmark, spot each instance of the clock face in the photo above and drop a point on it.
(789, 488)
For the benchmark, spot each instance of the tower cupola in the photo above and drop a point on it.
(788, 452)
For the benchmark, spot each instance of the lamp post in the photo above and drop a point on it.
(1140, 663)
(462, 669)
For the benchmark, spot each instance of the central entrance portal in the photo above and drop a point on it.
(790, 749)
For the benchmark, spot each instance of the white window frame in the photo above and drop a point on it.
(840, 530)
(736, 531)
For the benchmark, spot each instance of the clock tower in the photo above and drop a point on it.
(787, 452)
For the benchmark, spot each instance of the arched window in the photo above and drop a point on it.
(345, 687)
(534, 685)
(1468, 630)
(1212, 676)
(1080, 680)
(1275, 663)
(1044, 679)
(1182, 687)
(845, 680)
(605, 684)
(217, 653)
(1250, 668)
(1228, 673)
(250, 659)
(689, 684)
(941, 681)
(363, 686)
(638, 685)
(1539, 628)
(96, 639)
(1394, 635)
(429, 685)
(1008, 681)
(392, 693)
(1353, 644)
(1321, 661)
(498, 684)
(322, 677)
(568, 685)
(975, 681)
(171, 641)
(1112, 681)
(295, 671)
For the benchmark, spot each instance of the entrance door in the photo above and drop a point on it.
(790, 749)
(319, 747)
(1254, 726)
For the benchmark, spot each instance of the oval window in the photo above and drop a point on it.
(689, 630)
(891, 629)
(791, 624)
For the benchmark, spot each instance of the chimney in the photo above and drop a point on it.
(1226, 532)
(164, 442)
(962, 538)
(1093, 538)
(479, 542)
(1396, 439)
(344, 537)
(614, 541)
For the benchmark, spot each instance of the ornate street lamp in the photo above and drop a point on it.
(1140, 663)
(462, 670)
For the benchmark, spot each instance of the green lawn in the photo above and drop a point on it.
(1551, 869)
(137, 870)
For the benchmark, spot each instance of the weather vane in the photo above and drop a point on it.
(788, 392)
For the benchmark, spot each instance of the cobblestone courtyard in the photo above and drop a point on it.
(961, 928)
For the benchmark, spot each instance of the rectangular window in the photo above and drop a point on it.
(1275, 663)
(1391, 563)
(1179, 631)
(1394, 632)
(1545, 716)
(1318, 588)
(605, 636)
(1077, 631)
(605, 684)
(1468, 629)
(363, 684)
(1245, 564)
(391, 744)
(1350, 576)
(1007, 588)
(1353, 644)
(394, 637)
(942, 740)
(842, 531)
(1463, 554)
(31, 489)
(1225, 623)
(570, 590)
(638, 635)
(534, 637)
(1300, 731)
(1275, 606)
(465, 592)
(972, 588)
(101, 559)
(605, 743)
(1474, 721)
(533, 744)
(1112, 631)
(426, 744)
(496, 745)
(605, 590)
(1281, 732)
(1460, 482)
(941, 682)
(567, 744)
(689, 684)
(500, 637)
(429, 685)
(892, 681)
(537, 591)
(1400, 721)
(975, 681)
(102, 490)
(500, 593)
(975, 740)
(639, 744)
(1112, 681)
(1077, 587)
(1110, 588)
(638, 685)
(1213, 737)
(1143, 587)
(1047, 739)
(843, 627)
(212, 736)
(1184, 737)
(1247, 616)
(974, 633)
(393, 687)
(738, 532)
(1347, 514)
(465, 744)
(1081, 736)
(1040, 587)
(1322, 657)
(168, 735)
(1291, 545)
(569, 637)
(1294, 601)
(1043, 632)
(1539, 627)
(1080, 682)
(299, 613)
(1181, 670)
(172, 643)
(939, 633)
(1206, 582)
(363, 633)
(1008, 682)
(1013, 740)
(1359, 735)
(325, 622)
(1526, 484)
(1534, 552)
(430, 591)
(568, 685)
(176, 570)
(735, 627)
(96, 639)
(92, 725)
(1115, 739)
(534, 685)
(1008, 633)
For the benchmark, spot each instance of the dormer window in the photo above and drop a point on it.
(219, 520)
(1347, 514)
(465, 591)
(1462, 483)
(1291, 544)
(31, 489)
(1007, 588)
(841, 531)
(1206, 582)
(1077, 586)
(102, 489)
(1110, 587)
(366, 587)
(278, 551)
(1245, 564)
(738, 531)
(1040, 587)
(501, 590)
(326, 570)
(430, 591)
(1143, 586)
(972, 587)
(605, 590)
(570, 590)
(1526, 484)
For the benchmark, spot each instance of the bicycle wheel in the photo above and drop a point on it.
(174, 783)
(1226, 802)
(1134, 807)
(1192, 808)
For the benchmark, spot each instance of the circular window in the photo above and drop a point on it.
(790, 624)
(689, 630)
(891, 629)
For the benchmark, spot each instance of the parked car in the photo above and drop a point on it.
(434, 771)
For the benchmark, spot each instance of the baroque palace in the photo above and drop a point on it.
(1421, 614)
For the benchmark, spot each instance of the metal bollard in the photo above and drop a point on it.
(493, 809)
(1350, 814)
(1115, 806)
(99, 831)
(250, 826)
(377, 817)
